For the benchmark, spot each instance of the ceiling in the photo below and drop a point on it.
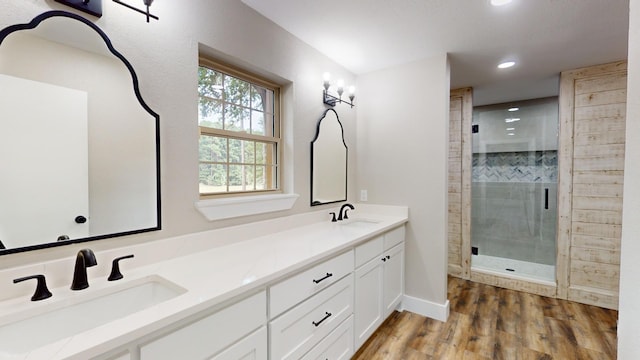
(544, 37)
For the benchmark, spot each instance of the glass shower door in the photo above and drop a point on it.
(514, 188)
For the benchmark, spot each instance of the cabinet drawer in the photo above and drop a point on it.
(369, 250)
(301, 328)
(336, 346)
(211, 334)
(292, 291)
(393, 237)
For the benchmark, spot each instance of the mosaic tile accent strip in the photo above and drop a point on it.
(528, 166)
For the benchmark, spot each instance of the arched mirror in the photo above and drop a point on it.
(328, 161)
(79, 147)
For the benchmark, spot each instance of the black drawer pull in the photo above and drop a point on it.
(316, 324)
(324, 278)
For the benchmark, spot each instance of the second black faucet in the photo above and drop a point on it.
(342, 214)
(84, 259)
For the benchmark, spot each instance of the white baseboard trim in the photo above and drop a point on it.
(426, 308)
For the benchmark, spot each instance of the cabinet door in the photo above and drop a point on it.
(336, 346)
(393, 278)
(368, 299)
(252, 347)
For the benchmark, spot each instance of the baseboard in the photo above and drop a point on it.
(426, 308)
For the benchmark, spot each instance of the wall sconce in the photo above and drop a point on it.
(93, 7)
(147, 4)
(332, 100)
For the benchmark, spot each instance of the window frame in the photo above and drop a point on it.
(276, 139)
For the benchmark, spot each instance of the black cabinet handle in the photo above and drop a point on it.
(41, 288)
(388, 257)
(316, 324)
(546, 198)
(115, 268)
(80, 219)
(324, 278)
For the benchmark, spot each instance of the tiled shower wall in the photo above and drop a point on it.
(532, 166)
(508, 212)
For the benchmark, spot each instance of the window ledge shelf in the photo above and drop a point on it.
(227, 208)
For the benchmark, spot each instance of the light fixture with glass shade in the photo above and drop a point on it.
(332, 100)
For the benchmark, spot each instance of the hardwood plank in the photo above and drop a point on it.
(598, 177)
(613, 111)
(610, 82)
(597, 216)
(600, 124)
(598, 190)
(599, 71)
(595, 242)
(599, 162)
(600, 230)
(595, 275)
(586, 330)
(514, 284)
(594, 296)
(601, 97)
(596, 255)
(567, 330)
(597, 203)
(601, 138)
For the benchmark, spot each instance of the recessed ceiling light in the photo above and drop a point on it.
(510, 134)
(510, 129)
(511, 120)
(500, 2)
(513, 109)
(506, 64)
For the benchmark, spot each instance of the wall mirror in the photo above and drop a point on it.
(79, 147)
(328, 161)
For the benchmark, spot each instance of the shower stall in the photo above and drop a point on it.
(514, 189)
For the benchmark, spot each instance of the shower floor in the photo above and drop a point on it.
(521, 269)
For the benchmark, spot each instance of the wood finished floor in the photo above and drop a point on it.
(486, 322)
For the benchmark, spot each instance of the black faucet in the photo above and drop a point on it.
(84, 259)
(42, 292)
(342, 215)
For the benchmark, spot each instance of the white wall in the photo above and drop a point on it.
(165, 56)
(403, 117)
(629, 306)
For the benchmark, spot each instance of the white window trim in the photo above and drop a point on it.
(232, 207)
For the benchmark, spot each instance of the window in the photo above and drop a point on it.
(239, 142)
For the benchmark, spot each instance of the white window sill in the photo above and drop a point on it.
(226, 208)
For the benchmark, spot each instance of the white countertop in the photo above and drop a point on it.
(211, 276)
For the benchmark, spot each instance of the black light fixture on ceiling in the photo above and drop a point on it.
(93, 7)
(333, 100)
(147, 3)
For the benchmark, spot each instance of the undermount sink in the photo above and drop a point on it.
(359, 223)
(65, 318)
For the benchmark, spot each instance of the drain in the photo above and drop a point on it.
(508, 269)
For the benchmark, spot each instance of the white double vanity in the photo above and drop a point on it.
(297, 287)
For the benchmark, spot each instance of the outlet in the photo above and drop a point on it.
(363, 195)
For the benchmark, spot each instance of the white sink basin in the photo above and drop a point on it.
(59, 320)
(359, 223)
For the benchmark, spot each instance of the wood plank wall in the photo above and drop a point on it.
(591, 168)
(459, 185)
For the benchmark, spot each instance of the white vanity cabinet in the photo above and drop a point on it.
(379, 282)
(235, 332)
(328, 290)
(325, 311)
